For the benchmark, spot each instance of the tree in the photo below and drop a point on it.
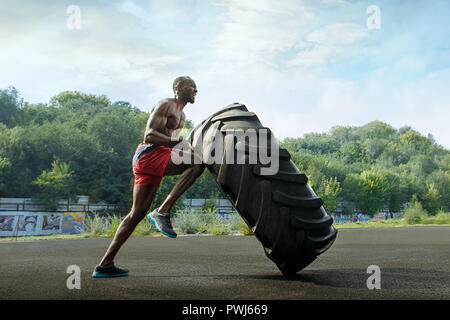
(441, 180)
(55, 184)
(5, 167)
(432, 201)
(344, 134)
(97, 140)
(414, 213)
(329, 190)
(398, 192)
(370, 190)
(319, 143)
(374, 148)
(376, 130)
(416, 141)
(351, 190)
(352, 151)
(375, 190)
(76, 101)
(9, 106)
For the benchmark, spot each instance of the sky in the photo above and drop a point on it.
(301, 66)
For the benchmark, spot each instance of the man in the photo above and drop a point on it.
(156, 157)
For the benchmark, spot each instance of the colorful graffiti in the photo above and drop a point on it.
(26, 223)
(73, 222)
(6, 223)
(51, 222)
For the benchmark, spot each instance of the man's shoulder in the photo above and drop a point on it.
(165, 102)
(163, 105)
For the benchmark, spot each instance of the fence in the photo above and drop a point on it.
(223, 206)
(27, 204)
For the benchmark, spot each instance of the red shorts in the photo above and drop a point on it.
(149, 164)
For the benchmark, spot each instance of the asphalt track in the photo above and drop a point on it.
(414, 264)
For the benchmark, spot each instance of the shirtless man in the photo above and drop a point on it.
(152, 161)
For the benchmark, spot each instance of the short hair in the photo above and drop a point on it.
(180, 80)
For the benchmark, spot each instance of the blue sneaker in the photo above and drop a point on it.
(162, 223)
(109, 272)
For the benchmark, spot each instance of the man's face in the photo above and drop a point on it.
(188, 91)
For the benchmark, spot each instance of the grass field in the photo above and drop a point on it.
(146, 229)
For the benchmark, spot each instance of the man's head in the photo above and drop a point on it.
(184, 88)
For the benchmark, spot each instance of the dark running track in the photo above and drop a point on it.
(414, 263)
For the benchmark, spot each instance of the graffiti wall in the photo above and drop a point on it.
(73, 222)
(23, 223)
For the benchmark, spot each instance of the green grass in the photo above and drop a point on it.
(237, 224)
(96, 228)
(373, 224)
(440, 219)
(206, 223)
(47, 237)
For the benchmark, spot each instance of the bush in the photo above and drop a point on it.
(113, 224)
(190, 222)
(440, 218)
(209, 205)
(201, 222)
(238, 224)
(218, 226)
(414, 213)
(94, 225)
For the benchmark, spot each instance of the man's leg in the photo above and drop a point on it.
(142, 200)
(189, 172)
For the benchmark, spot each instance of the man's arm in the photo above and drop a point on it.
(156, 126)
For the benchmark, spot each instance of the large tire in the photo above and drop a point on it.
(282, 210)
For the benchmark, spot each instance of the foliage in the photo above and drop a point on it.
(218, 226)
(10, 104)
(190, 222)
(373, 191)
(366, 167)
(237, 224)
(209, 205)
(94, 225)
(54, 184)
(440, 218)
(414, 213)
(5, 167)
(329, 190)
(97, 226)
(376, 166)
(432, 200)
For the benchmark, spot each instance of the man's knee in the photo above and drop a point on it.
(136, 215)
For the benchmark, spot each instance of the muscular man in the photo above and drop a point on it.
(159, 155)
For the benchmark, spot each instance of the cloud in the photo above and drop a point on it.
(332, 42)
(110, 47)
(334, 2)
(302, 66)
(255, 32)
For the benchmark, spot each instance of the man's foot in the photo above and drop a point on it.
(109, 272)
(162, 223)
